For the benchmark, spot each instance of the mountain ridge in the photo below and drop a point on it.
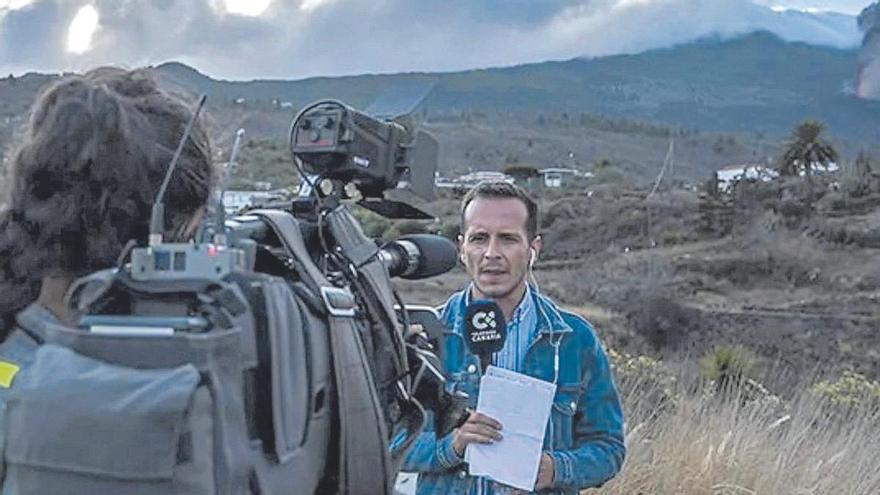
(754, 82)
(752, 85)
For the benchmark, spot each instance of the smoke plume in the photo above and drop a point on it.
(868, 76)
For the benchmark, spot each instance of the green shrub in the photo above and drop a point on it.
(850, 391)
(728, 367)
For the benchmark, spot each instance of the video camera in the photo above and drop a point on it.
(290, 316)
(337, 142)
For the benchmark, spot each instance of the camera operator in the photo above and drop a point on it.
(192, 369)
(84, 175)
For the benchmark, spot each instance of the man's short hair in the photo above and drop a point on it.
(504, 190)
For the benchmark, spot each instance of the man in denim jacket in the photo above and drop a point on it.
(583, 443)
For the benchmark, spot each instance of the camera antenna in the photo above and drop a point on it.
(157, 216)
(220, 217)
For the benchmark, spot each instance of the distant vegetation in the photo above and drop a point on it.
(263, 160)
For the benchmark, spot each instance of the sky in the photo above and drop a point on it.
(290, 39)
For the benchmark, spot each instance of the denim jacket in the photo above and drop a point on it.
(585, 434)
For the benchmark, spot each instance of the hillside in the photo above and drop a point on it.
(788, 269)
(725, 100)
(754, 83)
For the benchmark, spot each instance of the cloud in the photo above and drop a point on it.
(299, 38)
(636, 25)
(852, 7)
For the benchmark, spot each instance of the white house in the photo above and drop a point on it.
(557, 176)
(731, 174)
(727, 176)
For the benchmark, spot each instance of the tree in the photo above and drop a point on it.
(806, 150)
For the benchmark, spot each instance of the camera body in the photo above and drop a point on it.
(337, 142)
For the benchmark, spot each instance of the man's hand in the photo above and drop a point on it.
(546, 472)
(478, 428)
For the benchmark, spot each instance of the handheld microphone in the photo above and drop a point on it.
(485, 329)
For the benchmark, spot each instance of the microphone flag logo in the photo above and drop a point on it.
(484, 319)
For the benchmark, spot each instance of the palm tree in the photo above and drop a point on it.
(806, 150)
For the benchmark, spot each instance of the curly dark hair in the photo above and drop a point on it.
(89, 162)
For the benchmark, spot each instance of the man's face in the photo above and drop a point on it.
(494, 245)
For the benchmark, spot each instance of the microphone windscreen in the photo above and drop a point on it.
(437, 255)
(484, 327)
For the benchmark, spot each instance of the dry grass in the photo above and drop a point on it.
(705, 444)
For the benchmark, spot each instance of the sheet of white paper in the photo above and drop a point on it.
(522, 405)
